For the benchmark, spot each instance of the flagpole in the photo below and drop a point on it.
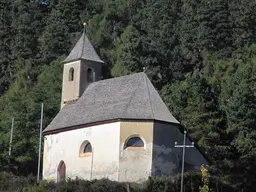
(40, 143)
(10, 146)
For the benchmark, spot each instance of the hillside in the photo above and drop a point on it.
(199, 54)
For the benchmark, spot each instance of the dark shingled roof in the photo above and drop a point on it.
(128, 97)
(83, 50)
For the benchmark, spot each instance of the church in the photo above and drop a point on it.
(117, 128)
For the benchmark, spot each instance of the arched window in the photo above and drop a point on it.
(89, 75)
(85, 149)
(134, 142)
(88, 148)
(71, 74)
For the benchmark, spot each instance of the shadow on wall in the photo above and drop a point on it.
(166, 159)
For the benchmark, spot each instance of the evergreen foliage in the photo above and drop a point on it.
(6, 68)
(200, 55)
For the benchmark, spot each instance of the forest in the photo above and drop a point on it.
(199, 54)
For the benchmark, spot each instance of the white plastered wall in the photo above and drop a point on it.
(65, 147)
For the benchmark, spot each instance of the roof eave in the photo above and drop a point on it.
(72, 60)
(64, 129)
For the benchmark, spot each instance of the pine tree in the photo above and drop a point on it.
(158, 24)
(190, 45)
(6, 67)
(56, 40)
(24, 41)
(128, 53)
(63, 28)
(214, 32)
(243, 18)
(241, 118)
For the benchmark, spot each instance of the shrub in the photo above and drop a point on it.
(192, 182)
(11, 183)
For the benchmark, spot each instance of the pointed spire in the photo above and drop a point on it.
(83, 50)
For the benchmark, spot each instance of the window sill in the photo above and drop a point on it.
(134, 148)
(85, 154)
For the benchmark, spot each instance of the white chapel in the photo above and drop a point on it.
(116, 128)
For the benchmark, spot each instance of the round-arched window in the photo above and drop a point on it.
(89, 75)
(88, 148)
(71, 74)
(85, 149)
(134, 142)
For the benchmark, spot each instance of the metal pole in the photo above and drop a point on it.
(92, 163)
(40, 143)
(10, 146)
(183, 159)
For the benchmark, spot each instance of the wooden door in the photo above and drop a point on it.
(62, 171)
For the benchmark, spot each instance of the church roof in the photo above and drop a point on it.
(83, 50)
(128, 97)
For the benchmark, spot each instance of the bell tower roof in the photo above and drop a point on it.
(83, 50)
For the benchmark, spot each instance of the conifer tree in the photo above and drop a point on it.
(56, 40)
(24, 42)
(214, 32)
(128, 56)
(241, 119)
(243, 18)
(6, 67)
(160, 36)
(190, 45)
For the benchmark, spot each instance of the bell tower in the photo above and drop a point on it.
(81, 67)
